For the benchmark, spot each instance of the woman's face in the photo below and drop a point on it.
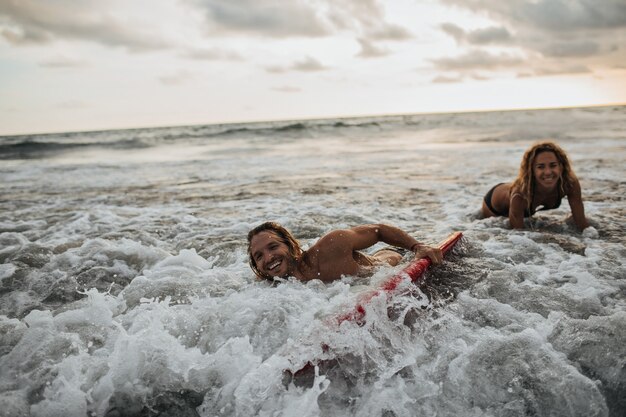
(547, 169)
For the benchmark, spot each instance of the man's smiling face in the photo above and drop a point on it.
(271, 255)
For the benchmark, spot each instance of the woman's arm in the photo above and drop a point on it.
(517, 206)
(575, 199)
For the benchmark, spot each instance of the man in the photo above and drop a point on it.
(275, 253)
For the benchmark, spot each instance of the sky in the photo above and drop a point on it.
(77, 65)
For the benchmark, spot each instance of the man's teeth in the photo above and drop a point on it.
(273, 265)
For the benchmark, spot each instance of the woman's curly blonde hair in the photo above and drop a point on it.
(525, 181)
(283, 234)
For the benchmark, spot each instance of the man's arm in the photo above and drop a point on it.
(362, 237)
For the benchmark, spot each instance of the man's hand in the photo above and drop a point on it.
(423, 251)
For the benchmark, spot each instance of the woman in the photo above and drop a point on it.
(545, 177)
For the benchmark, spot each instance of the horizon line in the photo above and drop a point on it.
(308, 119)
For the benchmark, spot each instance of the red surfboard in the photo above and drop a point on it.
(414, 271)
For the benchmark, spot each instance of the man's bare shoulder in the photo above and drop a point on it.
(339, 240)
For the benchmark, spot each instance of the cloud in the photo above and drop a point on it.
(559, 15)
(289, 18)
(489, 35)
(552, 15)
(390, 32)
(307, 64)
(571, 49)
(211, 54)
(40, 21)
(264, 17)
(369, 50)
(287, 89)
(176, 78)
(443, 79)
(479, 77)
(459, 77)
(276, 69)
(355, 14)
(484, 36)
(17, 35)
(453, 30)
(555, 34)
(63, 62)
(117, 23)
(542, 72)
(477, 59)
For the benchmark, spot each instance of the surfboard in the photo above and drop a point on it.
(414, 271)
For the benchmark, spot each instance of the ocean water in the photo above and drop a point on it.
(125, 288)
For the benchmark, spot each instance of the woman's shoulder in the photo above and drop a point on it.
(515, 192)
(572, 186)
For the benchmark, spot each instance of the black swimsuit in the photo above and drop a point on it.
(487, 200)
(527, 213)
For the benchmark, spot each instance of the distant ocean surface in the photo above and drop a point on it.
(125, 288)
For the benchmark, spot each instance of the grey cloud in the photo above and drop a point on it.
(389, 32)
(448, 79)
(40, 21)
(288, 18)
(453, 30)
(347, 14)
(559, 15)
(559, 34)
(265, 17)
(176, 78)
(25, 36)
(489, 35)
(576, 69)
(367, 19)
(442, 79)
(369, 50)
(276, 69)
(63, 62)
(212, 54)
(483, 36)
(477, 59)
(571, 49)
(25, 22)
(553, 15)
(307, 64)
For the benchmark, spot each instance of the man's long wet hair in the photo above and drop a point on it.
(283, 234)
(525, 181)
